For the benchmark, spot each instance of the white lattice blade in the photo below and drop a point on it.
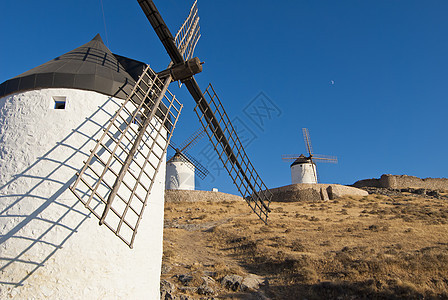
(188, 34)
(104, 166)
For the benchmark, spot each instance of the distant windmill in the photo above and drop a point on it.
(303, 169)
(181, 168)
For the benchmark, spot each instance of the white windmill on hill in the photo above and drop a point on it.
(182, 168)
(303, 168)
(83, 138)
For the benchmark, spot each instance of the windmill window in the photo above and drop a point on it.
(138, 119)
(59, 102)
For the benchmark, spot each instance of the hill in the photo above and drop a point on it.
(371, 247)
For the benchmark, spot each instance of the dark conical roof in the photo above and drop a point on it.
(180, 157)
(302, 159)
(89, 67)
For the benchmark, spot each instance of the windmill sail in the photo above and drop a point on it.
(199, 169)
(192, 140)
(323, 158)
(219, 129)
(326, 158)
(117, 178)
(232, 154)
(181, 153)
(306, 137)
(188, 35)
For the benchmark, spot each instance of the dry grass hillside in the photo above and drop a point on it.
(374, 247)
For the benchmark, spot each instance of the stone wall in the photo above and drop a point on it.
(313, 192)
(374, 182)
(404, 181)
(194, 196)
(290, 193)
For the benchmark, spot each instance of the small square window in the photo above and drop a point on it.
(138, 119)
(59, 102)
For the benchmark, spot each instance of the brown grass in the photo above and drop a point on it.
(372, 247)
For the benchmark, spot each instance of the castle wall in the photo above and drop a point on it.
(404, 181)
(368, 182)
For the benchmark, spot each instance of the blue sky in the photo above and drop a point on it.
(367, 78)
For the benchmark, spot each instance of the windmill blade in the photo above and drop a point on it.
(188, 35)
(187, 144)
(231, 153)
(316, 174)
(169, 159)
(195, 165)
(326, 158)
(130, 153)
(173, 145)
(191, 163)
(162, 31)
(192, 140)
(237, 164)
(306, 137)
(200, 170)
(290, 156)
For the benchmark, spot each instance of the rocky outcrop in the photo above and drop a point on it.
(426, 193)
(338, 191)
(232, 282)
(167, 290)
(250, 284)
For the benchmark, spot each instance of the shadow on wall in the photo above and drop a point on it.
(38, 212)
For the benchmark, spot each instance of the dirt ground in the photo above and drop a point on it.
(374, 247)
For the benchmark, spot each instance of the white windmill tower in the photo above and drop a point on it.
(303, 168)
(99, 124)
(51, 116)
(182, 168)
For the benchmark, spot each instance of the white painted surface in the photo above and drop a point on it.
(303, 173)
(50, 248)
(179, 176)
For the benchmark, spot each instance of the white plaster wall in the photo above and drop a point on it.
(50, 246)
(179, 176)
(303, 173)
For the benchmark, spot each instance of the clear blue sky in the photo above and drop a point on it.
(385, 113)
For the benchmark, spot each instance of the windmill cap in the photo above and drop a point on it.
(98, 38)
(302, 159)
(179, 157)
(91, 66)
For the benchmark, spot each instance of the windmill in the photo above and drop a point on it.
(116, 188)
(119, 109)
(181, 168)
(303, 168)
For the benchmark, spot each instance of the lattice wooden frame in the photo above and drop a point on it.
(232, 154)
(96, 179)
